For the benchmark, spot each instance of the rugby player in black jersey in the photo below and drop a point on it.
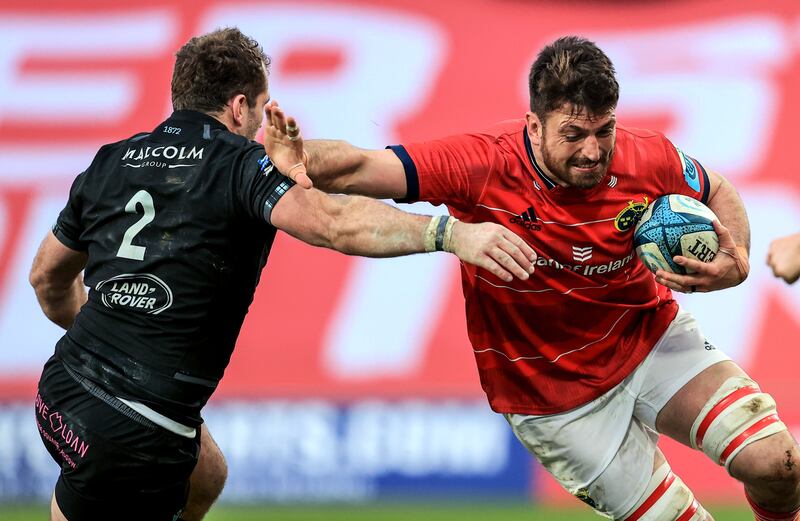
(171, 229)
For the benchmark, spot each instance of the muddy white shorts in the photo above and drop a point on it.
(602, 452)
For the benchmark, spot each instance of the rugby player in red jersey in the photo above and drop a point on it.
(592, 346)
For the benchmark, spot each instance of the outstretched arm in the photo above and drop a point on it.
(784, 257)
(362, 226)
(334, 166)
(731, 265)
(56, 279)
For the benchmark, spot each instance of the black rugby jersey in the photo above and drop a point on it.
(176, 226)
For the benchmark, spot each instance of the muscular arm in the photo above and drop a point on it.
(56, 279)
(362, 226)
(339, 167)
(725, 202)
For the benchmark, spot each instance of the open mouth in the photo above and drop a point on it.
(587, 167)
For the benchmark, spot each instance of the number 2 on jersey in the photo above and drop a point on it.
(126, 249)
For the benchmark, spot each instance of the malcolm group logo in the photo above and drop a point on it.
(527, 219)
(161, 157)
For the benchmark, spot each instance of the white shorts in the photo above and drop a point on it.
(602, 452)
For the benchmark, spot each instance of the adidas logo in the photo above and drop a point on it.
(612, 182)
(527, 219)
(581, 254)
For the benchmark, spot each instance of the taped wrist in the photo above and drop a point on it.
(429, 236)
(436, 236)
(448, 234)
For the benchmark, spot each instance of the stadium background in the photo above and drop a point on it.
(353, 380)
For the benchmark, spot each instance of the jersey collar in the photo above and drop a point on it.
(201, 118)
(539, 172)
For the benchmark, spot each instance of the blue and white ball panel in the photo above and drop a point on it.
(684, 205)
(652, 257)
(675, 225)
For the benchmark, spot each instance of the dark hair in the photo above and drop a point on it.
(572, 70)
(212, 68)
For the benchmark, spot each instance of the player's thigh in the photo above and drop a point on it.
(679, 414)
(114, 462)
(681, 358)
(598, 452)
(724, 413)
(55, 511)
(208, 477)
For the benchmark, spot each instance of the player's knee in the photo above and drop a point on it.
(667, 498)
(735, 417)
(772, 463)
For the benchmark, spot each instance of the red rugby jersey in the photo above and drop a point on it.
(591, 312)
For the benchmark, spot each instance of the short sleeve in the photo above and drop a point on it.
(684, 174)
(453, 170)
(259, 185)
(69, 226)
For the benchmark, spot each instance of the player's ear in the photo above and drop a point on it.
(535, 128)
(239, 108)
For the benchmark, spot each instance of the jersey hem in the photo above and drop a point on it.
(66, 241)
(621, 373)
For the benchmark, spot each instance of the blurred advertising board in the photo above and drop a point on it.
(314, 450)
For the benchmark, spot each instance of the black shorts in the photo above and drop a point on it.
(115, 463)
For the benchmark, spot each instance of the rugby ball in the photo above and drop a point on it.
(675, 225)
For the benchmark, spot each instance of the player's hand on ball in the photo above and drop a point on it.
(284, 145)
(729, 268)
(784, 257)
(494, 248)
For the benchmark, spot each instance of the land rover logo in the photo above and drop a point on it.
(141, 292)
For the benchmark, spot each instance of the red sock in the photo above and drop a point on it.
(765, 515)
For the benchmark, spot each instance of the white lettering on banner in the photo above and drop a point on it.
(310, 450)
(716, 75)
(80, 95)
(404, 296)
(315, 450)
(417, 438)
